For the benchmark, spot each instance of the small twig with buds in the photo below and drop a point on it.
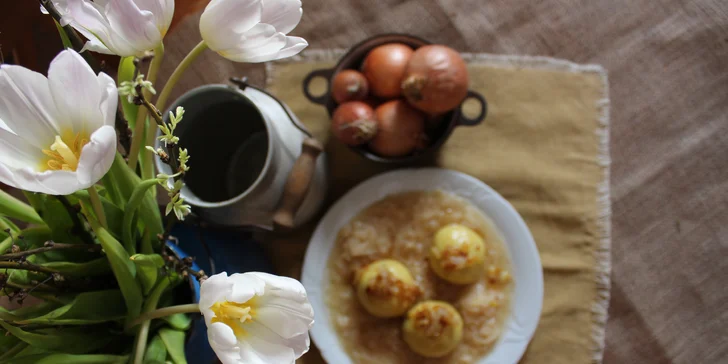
(27, 266)
(48, 246)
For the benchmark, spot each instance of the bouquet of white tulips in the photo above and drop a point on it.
(89, 248)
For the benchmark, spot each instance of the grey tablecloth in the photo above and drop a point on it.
(668, 68)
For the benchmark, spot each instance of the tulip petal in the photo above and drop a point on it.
(96, 156)
(213, 289)
(109, 99)
(15, 152)
(284, 309)
(284, 15)
(75, 91)
(26, 105)
(49, 182)
(90, 20)
(224, 21)
(162, 10)
(293, 46)
(223, 341)
(262, 347)
(132, 25)
(245, 286)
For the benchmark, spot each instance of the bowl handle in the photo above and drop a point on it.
(483, 110)
(297, 185)
(325, 73)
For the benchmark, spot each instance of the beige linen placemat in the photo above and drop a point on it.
(543, 146)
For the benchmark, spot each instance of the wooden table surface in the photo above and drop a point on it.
(668, 70)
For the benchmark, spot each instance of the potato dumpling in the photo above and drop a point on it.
(433, 328)
(386, 288)
(457, 254)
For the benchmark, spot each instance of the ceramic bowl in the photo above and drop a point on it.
(526, 264)
(353, 60)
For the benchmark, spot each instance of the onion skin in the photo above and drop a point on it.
(401, 129)
(349, 85)
(384, 68)
(436, 79)
(353, 123)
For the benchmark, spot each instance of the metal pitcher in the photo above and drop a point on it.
(253, 164)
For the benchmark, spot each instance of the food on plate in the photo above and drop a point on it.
(353, 123)
(457, 254)
(401, 129)
(433, 328)
(349, 85)
(386, 288)
(384, 68)
(402, 227)
(436, 79)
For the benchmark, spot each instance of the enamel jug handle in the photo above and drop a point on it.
(297, 185)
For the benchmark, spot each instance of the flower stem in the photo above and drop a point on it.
(149, 306)
(166, 311)
(141, 119)
(177, 74)
(97, 206)
(141, 342)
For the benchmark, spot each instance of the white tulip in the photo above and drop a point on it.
(252, 30)
(121, 27)
(256, 318)
(59, 135)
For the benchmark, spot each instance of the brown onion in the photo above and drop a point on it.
(384, 67)
(349, 85)
(353, 123)
(436, 79)
(401, 129)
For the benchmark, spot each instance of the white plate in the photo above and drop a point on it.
(527, 272)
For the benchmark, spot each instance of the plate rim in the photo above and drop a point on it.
(321, 333)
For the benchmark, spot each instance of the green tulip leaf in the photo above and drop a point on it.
(179, 321)
(174, 341)
(16, 209)
(127, 181)
(137, 196)
(55, 215)
(64, 37)
(32, 351)
(156, 351)
(59, 358)
(92, 268)
(7, 342)
(69, 340)
(114, 214)
(6, 315)
(87, 308)
(6, 224)
(13, 351)
(124, 270)
(36, 310)
(32, 238)
(148, 266)
(126, 73)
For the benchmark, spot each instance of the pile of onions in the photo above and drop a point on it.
(436, 79)
(384, 67)
(353, 123)
(399, 95)
(401, 129)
